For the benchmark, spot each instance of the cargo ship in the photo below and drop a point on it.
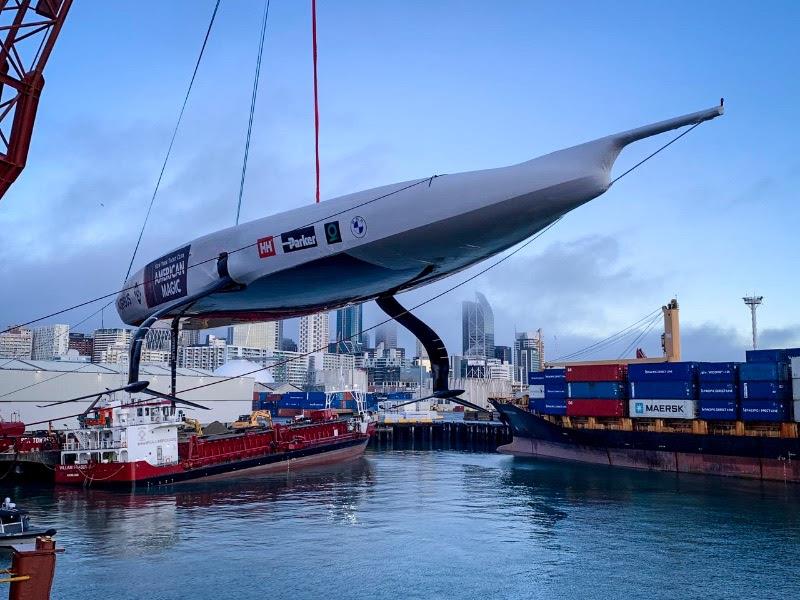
(731, 419)
(140, 445)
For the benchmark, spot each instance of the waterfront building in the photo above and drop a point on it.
(50, 341)
(110, 341)
(257, 335)
(503, 354)
(528, 354)
(349, 322)
(386, 334)
(16, 343)
(477, 328)
(81, 343)
(189, 337)
(158, 337)
(314, 333)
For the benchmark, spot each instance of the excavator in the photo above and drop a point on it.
(258, 419)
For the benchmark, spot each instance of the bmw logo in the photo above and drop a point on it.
(358, 227)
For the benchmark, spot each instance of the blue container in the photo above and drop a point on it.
(764, 390)
(674, 371)
(663, 390)
(760, 410)
(718, 390)
(536, 378)
(550, 407)
(717, 371)
(603, 390)
(764, 371)
(555, 375)
(399, 396)
(555, 391)
(718, 410)
(773, 356)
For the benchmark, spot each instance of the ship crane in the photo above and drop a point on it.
(29, 31)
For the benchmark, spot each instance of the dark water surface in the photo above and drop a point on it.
(429, 525)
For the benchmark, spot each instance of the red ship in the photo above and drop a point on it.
(138, 445)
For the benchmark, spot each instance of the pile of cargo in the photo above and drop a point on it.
(292, 404)
(765, 387)
(596, 390)
(718, 394)
(548, 391)
(663, 390)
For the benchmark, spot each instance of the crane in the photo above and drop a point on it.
(28, 32)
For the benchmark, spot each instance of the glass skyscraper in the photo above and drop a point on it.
(349, 321)
(477, 326)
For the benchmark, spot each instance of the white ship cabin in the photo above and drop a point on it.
(126, 434)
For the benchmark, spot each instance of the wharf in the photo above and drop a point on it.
(30, 465)
(442, 435)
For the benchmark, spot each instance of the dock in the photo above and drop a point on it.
(474, 436)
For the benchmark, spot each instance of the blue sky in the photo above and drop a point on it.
(410, 89)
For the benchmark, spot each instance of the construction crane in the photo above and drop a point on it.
(28, 31)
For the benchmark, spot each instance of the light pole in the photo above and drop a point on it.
(753, 302)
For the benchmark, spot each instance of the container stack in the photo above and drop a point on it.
(663, 390)
(764, 386)
(718, 391)
(553, 389)
(796, 387)
(535, 391)
(596, 390)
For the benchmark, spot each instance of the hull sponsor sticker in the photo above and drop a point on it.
(358, 227)
(165, 277)
(299, 239)
(333, 235)
(266, 247)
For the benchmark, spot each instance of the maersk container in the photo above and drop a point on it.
(717, 371)
(764, 410)
(610, 372)
(555, 391)
(764, 390)
(668, 371)
(554, 375)
(595, 407)
(605, 390)
(663, 390)
(536, 378)
(796, 411)
(551, 407)
(796, 388)
(770, 356)
(718, 390)
(764, 371)
(536, 391)
(659, 408)
(717, 410)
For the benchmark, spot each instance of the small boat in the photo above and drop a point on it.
(15, 526)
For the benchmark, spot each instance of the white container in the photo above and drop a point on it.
(796, 388)
(662, 409)
(796, 367)
(536, 391)
(796, 413)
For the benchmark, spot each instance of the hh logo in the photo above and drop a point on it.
(266, 247)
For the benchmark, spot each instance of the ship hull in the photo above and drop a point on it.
(762, 458)
(140, 474)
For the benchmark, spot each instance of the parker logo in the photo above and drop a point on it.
(266, 247)
(299, 239)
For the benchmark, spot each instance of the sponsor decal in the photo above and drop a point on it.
(165, 277)
(667, 408)
(358, 227)
(137, 292)
(333, 234)
(266, 247)
(299, 239)
(639, 408)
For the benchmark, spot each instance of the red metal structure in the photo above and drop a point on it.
(28, 31)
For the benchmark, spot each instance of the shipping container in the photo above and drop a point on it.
(555, 391)
(796, 411)
(795, 366)
(763, 371)
(717, 371)
(554, 375)
(536, 391)
(536, 378)
(717, 390)
(604, 390)
(796, 388)
(597, 372)
(770, 356)
(659, 408)
(718, 410)
(399, 396)
(761, 410)
(551, 407)
(663, 390)
(668, 371)
(595, 407)
(764, 390)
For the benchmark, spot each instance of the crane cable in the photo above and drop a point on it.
(316, 95)
(252, 106)
(640, 337)
(172, 140)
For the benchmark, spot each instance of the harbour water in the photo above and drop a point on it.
(429, 524)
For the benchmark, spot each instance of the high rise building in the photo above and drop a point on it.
(159, 337)
(267, 336)
(50, 341)
(288, 345)
(386, 334)
(477, 327)
(108, 343)
(528, 354)
(314, 333)
(189, 337)
(349, 322)
(503, 354)
(16, 343)
(81, 343)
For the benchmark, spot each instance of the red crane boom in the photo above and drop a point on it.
(27, 36)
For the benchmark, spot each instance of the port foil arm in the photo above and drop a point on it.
(634, 135)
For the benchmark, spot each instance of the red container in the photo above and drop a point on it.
(596, 408)
(615, 372)
(289, 412)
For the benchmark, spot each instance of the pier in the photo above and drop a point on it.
(470, 436)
